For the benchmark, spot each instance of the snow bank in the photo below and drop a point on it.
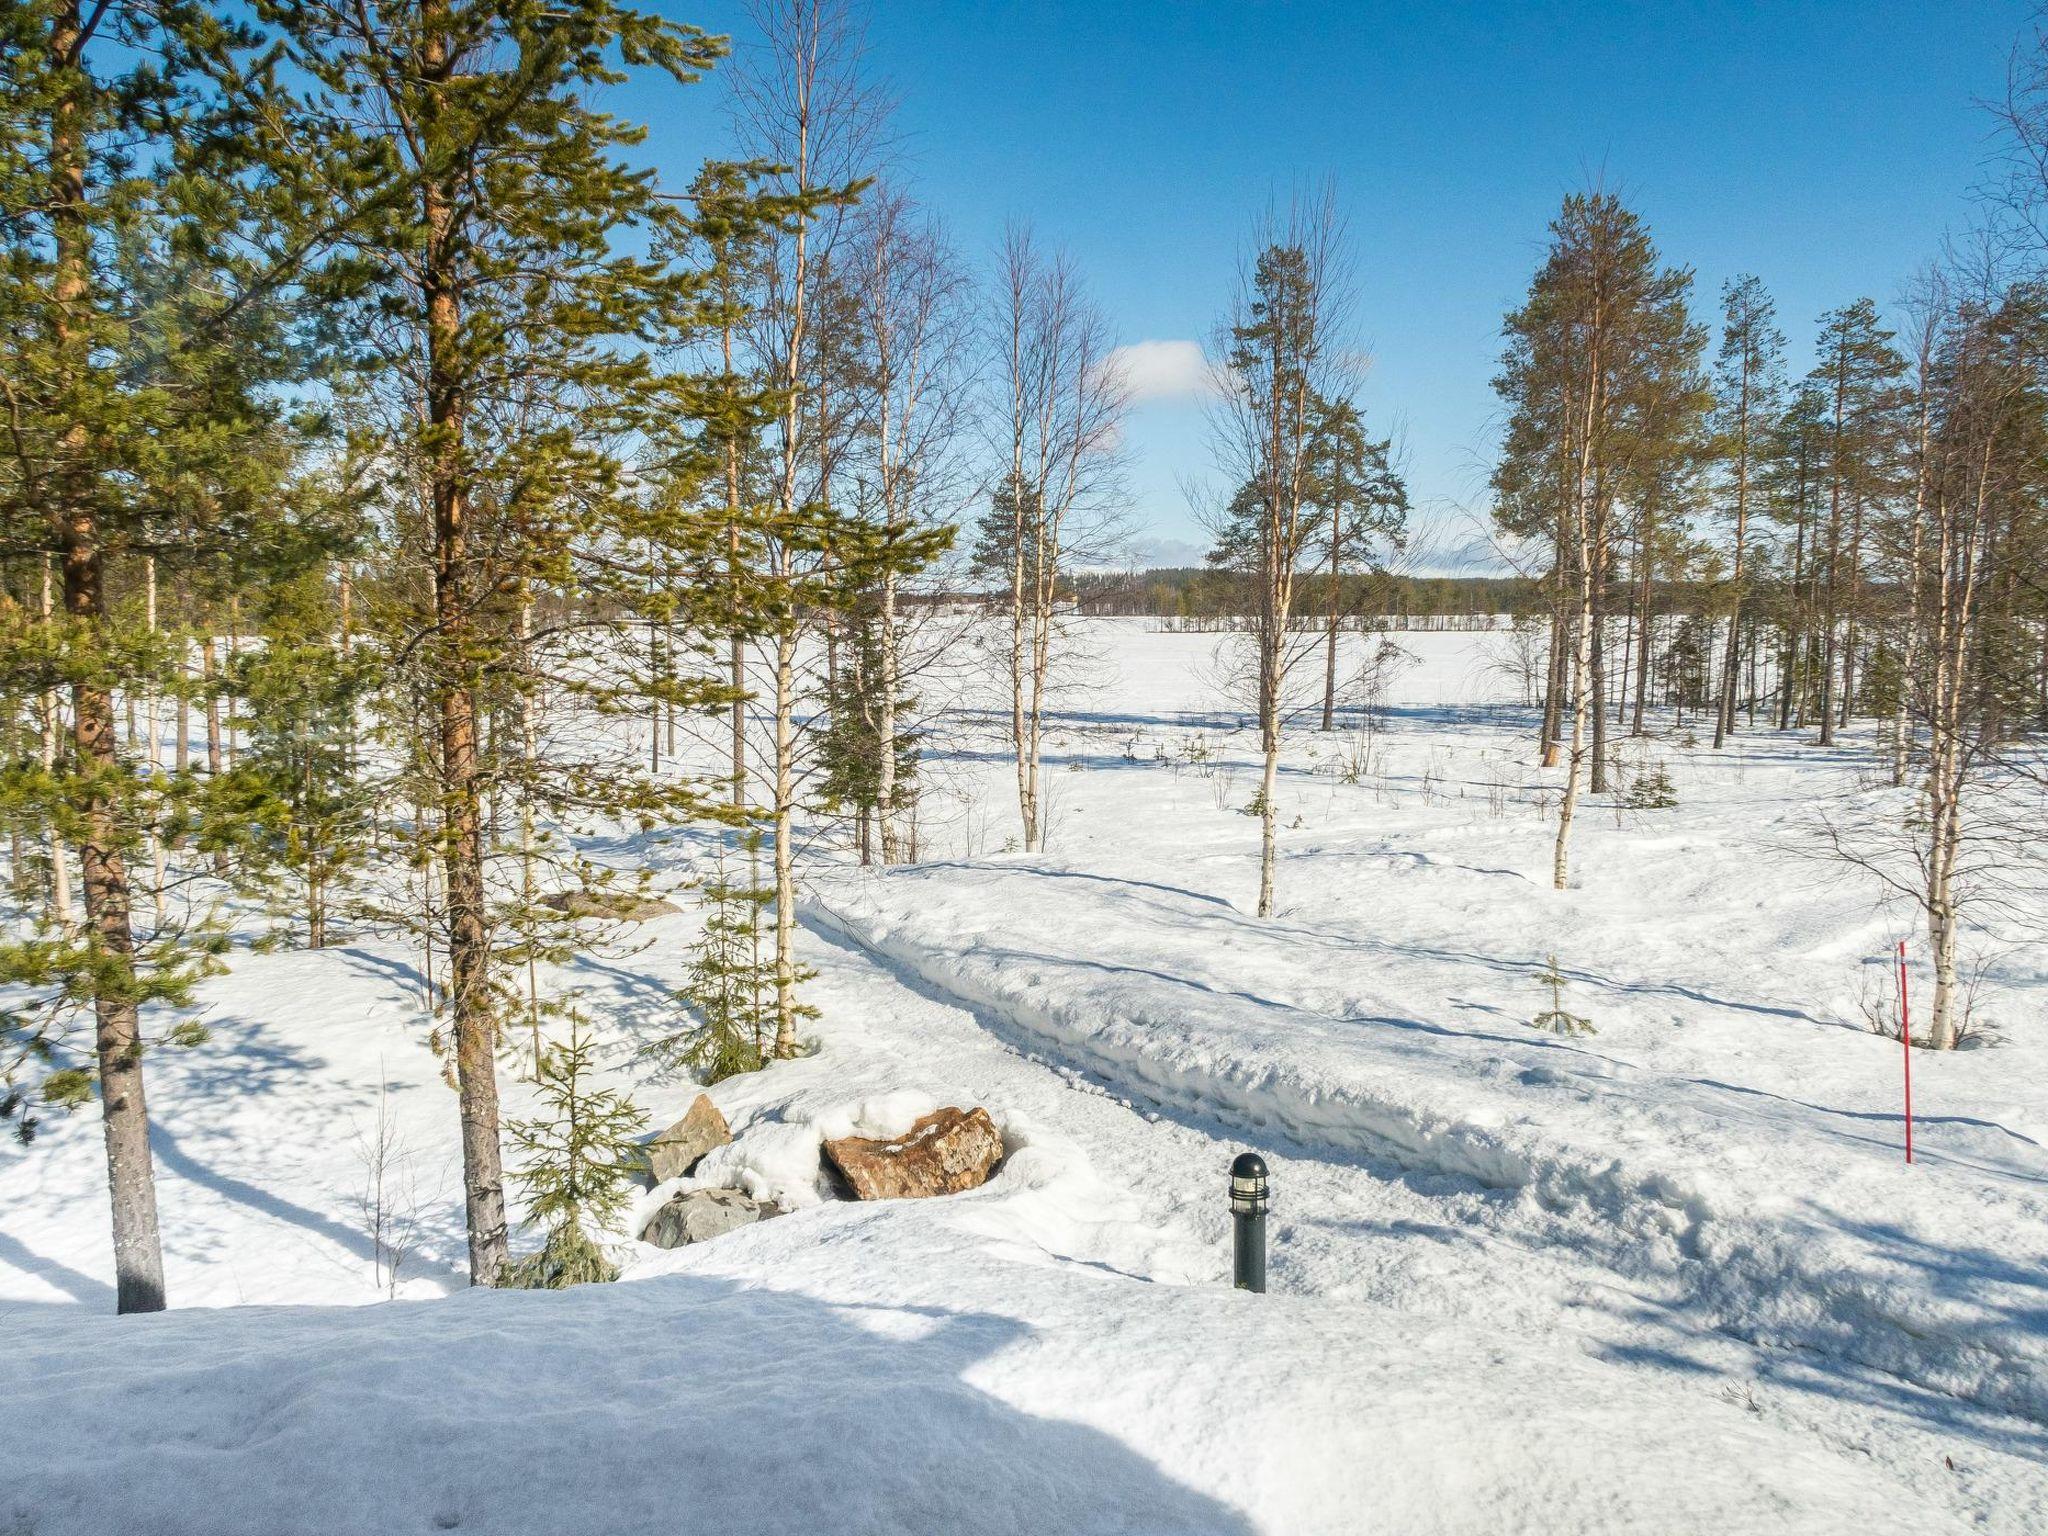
(894, 1376)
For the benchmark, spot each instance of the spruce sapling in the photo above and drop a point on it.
(1652, 790)
(731, 988)
(1556, 1018)
(578, 1159)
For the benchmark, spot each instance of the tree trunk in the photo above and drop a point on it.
(131, 1178)
(207, 672)
(1724, 717)
(62, 917)
(1560, 861)
(885, 730)
(1269, 781)
(1330, 651)
(1596, 658)
(1553, 689)
(1645, 644)
(785, 844)
(469, 941)
(152, 752)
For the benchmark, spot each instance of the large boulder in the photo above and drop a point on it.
(698, 1215)
(947, 1151)
(677, 1150)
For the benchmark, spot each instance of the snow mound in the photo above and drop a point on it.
(896, 1377)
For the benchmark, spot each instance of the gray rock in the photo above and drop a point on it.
(698, 1215)
(622, 906)
(679, 1148)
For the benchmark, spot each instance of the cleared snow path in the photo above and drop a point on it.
(1754, 1213)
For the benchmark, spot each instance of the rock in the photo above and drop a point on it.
(698, 1215)
(677, 1150)
(624, 906)
(947, 1151)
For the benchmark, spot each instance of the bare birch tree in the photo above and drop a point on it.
(804, 109)
(910, 305)
(1283, 356)
(1060, 398)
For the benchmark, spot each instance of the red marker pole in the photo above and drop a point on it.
(1906, 1039)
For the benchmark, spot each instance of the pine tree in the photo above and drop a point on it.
(1749, 375)
(297, 805)
(1362, 500)
(1601, 380)
(854, 745)
(488, 290)
(1651, 790)
(1860, 377)
(1795, 492)
(139, 337)
(578, 1161)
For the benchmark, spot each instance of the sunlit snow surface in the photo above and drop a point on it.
(1672, 1276)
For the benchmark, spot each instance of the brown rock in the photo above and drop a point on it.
(677, 1150)
(947, 1151)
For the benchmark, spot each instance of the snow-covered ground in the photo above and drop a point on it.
(1673, 1275)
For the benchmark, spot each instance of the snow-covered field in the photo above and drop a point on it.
(1673, 1275)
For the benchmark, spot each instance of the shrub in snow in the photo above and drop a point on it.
(580, 1158)
(1556, 1018)
(1651, 790)
(731, 985)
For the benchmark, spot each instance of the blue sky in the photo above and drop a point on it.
(1826, 147)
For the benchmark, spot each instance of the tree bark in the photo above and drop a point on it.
(1330, 648)
(62, 916)
(785, 844)
(131, 1178)
(469, 941)
(1724, 717)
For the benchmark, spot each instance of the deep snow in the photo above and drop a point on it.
(1673, 1275)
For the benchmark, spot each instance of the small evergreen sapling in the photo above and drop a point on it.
(1556, 1018)
(1652, 790)
(578, 1160)
(731, 988)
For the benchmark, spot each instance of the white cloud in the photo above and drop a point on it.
(1164, 370)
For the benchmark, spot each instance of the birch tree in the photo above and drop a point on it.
(808, 116)
(1284, 356)
(912, 341)
(1059, 401)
